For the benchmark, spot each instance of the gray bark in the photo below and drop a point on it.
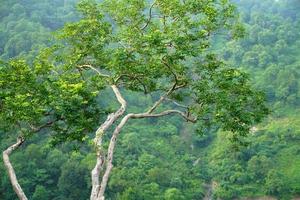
(98, 189)
(98, 142)
(11, 172)
(114, 137)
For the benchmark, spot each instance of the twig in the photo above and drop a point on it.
(93, 68)
(162, 98)
(177, 104)
(150, 16)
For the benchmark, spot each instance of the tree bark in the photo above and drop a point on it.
(95, 174)
(114, 137)
(11, 172)
(98, 189)
(110, 154)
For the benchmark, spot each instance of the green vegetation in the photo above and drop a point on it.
(270, 53)
(157, 158)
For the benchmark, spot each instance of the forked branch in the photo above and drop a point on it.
(111, 118)
(163, 97)
(117, 131)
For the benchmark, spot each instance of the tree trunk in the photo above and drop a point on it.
(98, 189)
(95, 174)
(11, 172)
(110, 154)
(114, 137)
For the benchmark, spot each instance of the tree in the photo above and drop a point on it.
(40, 193)
(161, 47)
(275, 183)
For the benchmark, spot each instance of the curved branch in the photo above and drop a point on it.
(163, 60)
(150, 16)
(12, 175)
(114, 137)
(94, 69)
(11, 172)
(162, 98)
(177, 104)
(98, 141)
(135, 77)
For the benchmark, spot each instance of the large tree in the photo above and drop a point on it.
(160, 48)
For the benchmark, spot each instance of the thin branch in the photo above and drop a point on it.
(150, 16)
(94, 69)
(177, 104)
(162, 98)
(110, 152)
(39, 128)
(169, 67)
(136, 77)
(186, 116)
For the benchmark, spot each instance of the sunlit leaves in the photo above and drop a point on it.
(143, 46)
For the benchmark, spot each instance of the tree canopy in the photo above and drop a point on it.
(160, 48)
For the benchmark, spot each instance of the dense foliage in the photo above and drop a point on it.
(270, 52)
(164, 160)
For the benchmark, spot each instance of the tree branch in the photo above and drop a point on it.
(150, 16)
(167, 112)
(163, 60)
(94, 69)
(136, 77)
(39, 128)
(11, 172)
(162, 98)
(114, 137)
(20, 140)
(111, 118)
(177, 104)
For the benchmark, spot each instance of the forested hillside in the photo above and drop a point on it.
(165, 158)
(270, 54)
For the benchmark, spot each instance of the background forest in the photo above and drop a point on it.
(167, 159)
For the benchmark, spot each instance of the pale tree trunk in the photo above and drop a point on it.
(148, 114)
(98, 142)
(109, 159)
(117, 131)
(11, 172)
(98, 189)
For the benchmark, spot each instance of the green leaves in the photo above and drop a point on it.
(143, 46)
(48, 95)
(17, 90)
(133, 38)
(226, 97)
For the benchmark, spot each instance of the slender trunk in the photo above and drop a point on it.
(99, 190)
(115, 135)
(110, 154)
(98, 142)
(11, 172)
